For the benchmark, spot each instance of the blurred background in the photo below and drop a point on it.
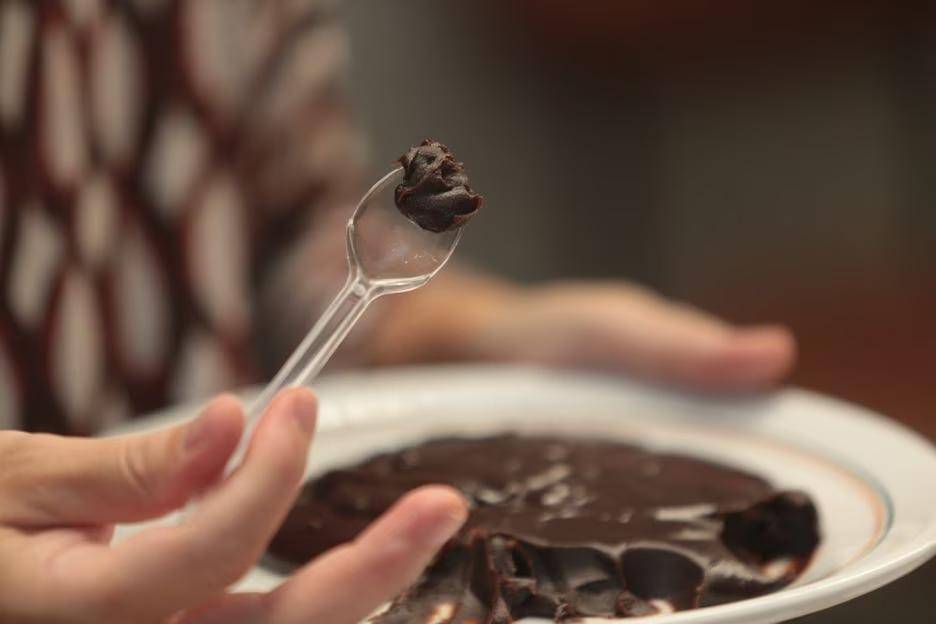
(765, 161)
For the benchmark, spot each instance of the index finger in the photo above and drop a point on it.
(163, 570)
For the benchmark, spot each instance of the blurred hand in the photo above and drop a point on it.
(632, 330)
(59, 498)
(610, 325)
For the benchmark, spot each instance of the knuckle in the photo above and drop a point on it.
(281, 466)
(216, 561)
(18, 459)
(11, 439)
(107, 600)
(288, 467)
(14, 445)
(100, 596)
(133, 470)
(230, 564)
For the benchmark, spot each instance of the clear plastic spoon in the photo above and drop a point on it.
(387, 254)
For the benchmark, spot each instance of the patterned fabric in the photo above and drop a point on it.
(164, 166)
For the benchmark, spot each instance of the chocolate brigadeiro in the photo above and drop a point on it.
(565, 528)
(434, 193)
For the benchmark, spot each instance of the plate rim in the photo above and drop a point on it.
(859, 577)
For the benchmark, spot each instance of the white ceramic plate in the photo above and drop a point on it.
(872, 480)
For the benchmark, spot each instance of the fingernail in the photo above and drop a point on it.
(198, 432)
(302, 408)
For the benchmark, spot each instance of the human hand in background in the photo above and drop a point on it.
(612, 326)
(60, 497)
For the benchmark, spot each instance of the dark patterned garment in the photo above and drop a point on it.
(172, 174)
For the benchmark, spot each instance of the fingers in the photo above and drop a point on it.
(52, 480)
(165, 569)
(745, 359)
(631, 329)
(676, 343)
(347, 584)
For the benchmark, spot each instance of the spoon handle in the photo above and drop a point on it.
(313, 352)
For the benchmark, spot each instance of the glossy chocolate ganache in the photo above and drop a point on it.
(566, 528)
(434, 193)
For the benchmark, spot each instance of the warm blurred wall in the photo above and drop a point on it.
(763, 162)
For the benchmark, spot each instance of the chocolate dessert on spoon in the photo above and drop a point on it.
(435, 192)
(395, 244)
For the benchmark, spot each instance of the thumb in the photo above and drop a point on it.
(51, 480)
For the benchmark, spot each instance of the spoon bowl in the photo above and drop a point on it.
(389, 252)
